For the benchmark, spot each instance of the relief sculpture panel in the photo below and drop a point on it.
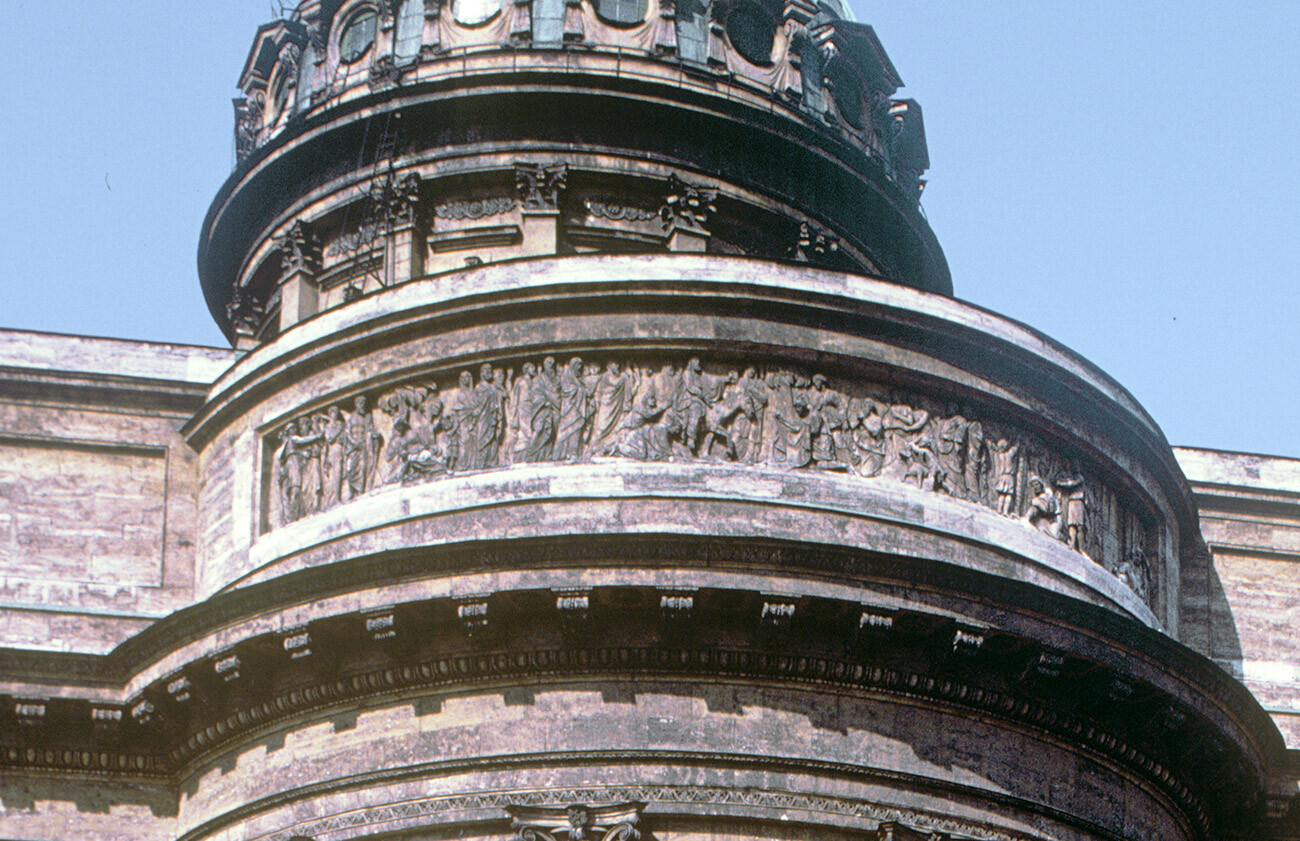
(548, 410)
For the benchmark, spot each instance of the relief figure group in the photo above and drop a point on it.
(545, 411)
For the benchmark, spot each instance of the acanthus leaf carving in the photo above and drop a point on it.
(401, 200)
(384, 71)
(687, 205)
(577, 822)
(245, 312)
(539, 185)
(299, 249)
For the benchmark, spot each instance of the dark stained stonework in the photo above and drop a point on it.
(601, 458)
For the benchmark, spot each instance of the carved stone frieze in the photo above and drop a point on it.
(661, 411)
(431, 807)
(895, 831)
(474, 208)
(617, 212)
(349, 243)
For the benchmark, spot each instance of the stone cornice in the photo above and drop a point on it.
(749, 803)
(1125, 638)
(846, 189)
(268, 682)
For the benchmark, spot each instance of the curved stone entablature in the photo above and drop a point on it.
(756, 413)
(719, 379)
(459, 164)
(834, 697)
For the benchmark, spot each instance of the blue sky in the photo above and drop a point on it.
(1121, 176)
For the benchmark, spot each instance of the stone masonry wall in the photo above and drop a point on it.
(97, 489)
(1248, 590)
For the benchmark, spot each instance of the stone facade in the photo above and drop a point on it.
(1246, 602)
(602, 457)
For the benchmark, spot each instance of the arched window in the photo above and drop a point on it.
(828, 10)
(358, 35)
(624, 12)
(410, 29)
(847, 90)
(279, 97)
(474, 12)
(306, 72)
(751, 31)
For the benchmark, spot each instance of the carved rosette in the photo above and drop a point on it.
(245, 312)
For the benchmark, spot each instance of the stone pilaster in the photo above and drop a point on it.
(300, 258)
(539, 188)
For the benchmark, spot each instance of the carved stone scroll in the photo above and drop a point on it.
(614, 211)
